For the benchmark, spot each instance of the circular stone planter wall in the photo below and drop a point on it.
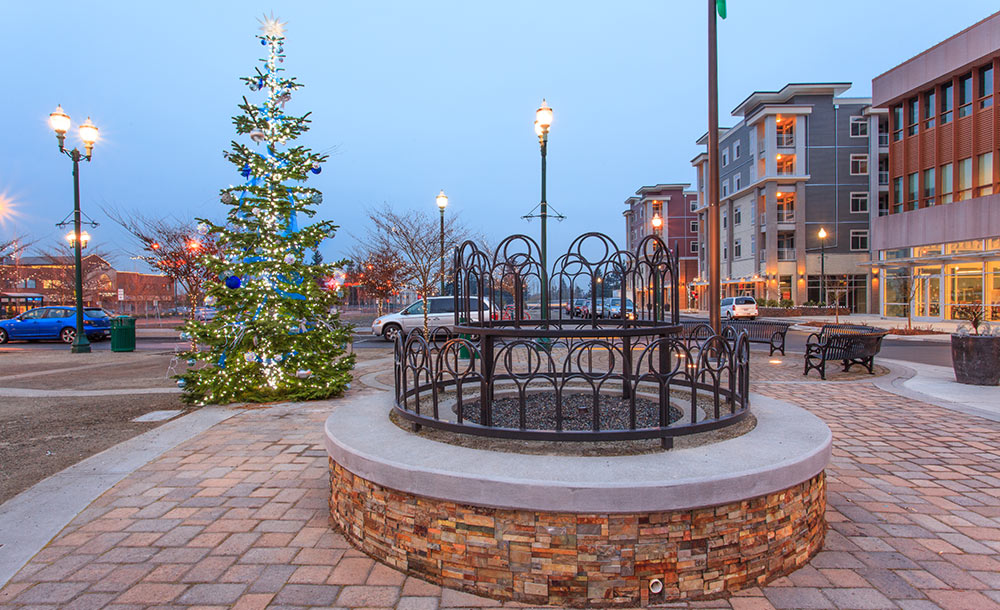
(582, 531)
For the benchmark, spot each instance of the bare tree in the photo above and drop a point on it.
(173, 247)
(379, 270)
(414, 237)
(60, 275)
(10, 260)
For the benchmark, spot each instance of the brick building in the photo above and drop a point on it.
(938, 245)
(675, 206)
(53, 279)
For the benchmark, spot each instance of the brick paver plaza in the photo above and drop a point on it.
(238, 517)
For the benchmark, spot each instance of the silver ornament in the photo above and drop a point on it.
(202, 228)
(257, 135)
(250, 356)
(303, 373)
(181, 383)
(227, 197)
(317, 198)
(289, 259)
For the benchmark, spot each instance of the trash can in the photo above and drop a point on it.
(122, 334)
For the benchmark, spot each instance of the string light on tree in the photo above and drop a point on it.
(276, 318)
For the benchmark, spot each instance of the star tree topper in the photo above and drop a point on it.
(272, 26)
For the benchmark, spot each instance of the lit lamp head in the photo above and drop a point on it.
(657, 222)
(543, 121)
(822, 233)
(442, 200)
(88, 133)
(84, 239)
(60, 123)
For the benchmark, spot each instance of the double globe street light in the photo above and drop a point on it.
(60, 123)
(442, 203)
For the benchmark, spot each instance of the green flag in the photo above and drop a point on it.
(720, 5)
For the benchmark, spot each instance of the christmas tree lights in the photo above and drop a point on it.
(276, 335)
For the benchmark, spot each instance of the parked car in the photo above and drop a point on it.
(739, 307)
(440, 313)
(177, 311)
(55, 323)
(579, 308)
(615, 309)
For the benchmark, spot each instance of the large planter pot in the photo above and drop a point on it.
(976, 359)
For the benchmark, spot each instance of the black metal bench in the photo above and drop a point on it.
(769, 333)
(849, 343)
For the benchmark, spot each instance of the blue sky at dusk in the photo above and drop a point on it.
(413, 97)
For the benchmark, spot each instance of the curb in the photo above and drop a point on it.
(30, 520)
(895, 381)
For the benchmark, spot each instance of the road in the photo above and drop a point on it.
(921, 351)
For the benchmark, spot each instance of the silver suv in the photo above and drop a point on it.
(440, 313)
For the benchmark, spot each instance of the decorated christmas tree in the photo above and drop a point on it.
(276, 334)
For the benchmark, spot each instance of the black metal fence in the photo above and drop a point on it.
(612, 364)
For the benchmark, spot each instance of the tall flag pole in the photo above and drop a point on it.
(712, 184)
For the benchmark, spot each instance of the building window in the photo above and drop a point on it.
(725, 156)
(737, 215)
(964, 180)
(694, 247)
(965, 96)
(753, 244)
(883, 204)
(859, 127)
(986, 87)
(929, 187)
(897, 123)
(859, 165)
(725, 252)
(737, 249)
(694, 204)
(694, 226)
(897, 194)
(946, 183)
(737, 182)
(946, 100)
(912, 118)
(859, 239)
(912, 186)
(725, 187)
(859, 203)
(785, 131)
(985, 174)
(929, 111)
(785, 206)
(736, 150)
(786, 164)
(725, 219)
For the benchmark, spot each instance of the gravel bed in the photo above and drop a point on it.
(577, 412)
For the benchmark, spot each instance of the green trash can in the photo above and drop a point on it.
(122, 334)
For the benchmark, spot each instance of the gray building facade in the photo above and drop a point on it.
(799, 164)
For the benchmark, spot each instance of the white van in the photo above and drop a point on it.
(440, 313)
(739, 307)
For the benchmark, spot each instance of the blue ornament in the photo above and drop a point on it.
(317, 198)
(192, 361)
(181, 383)
(263, 42)
(316, 168)
(233, 282)
(246, 171)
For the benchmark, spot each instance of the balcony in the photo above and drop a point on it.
(883, 178)
(883, 140)
(763, 221)
(786, 140)
(786, 254)
(786, 215)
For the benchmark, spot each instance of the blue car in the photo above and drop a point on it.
(56, 322)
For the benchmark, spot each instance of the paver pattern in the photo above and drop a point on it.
(237, 518)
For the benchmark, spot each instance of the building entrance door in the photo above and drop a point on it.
(927, 293)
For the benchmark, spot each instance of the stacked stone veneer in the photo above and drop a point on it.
(583, 559)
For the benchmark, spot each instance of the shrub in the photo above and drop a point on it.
(973, 314)
(786, 303)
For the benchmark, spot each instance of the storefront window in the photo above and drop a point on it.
(975, 245)
(993, 291)
(932, 250)
(896, 291)
(965, 286)
(888, 255)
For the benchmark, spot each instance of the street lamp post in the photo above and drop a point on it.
(442, 203)
(543, 121)
(822, 266)
(657, 223)
(60, 123)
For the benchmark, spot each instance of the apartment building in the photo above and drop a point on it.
(938, 246)
(800, 160)
(675, 206)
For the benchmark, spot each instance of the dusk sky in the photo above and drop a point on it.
(412, 97)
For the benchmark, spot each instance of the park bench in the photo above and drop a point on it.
(769, 333)
(851, 344)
